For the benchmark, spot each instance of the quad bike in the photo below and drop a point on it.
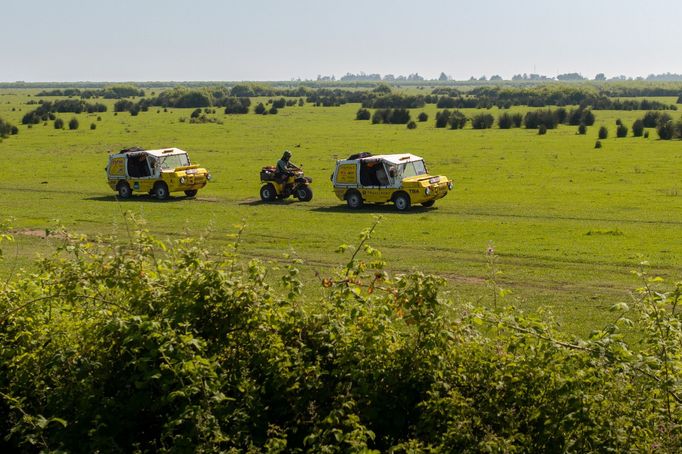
(274, 187)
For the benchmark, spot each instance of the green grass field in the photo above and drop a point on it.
(567, 222)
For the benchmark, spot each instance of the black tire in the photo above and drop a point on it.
(428, 204)
(268, 193)
(161, 190)
(304, 193)
(124, 191)
(402, 202)
(354, 199)
(191, 192)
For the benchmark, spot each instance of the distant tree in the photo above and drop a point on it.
(652, 119)
(279, 103)
(273, 110)
(442, 118)
(582, 129)
(443, 77)
(504, 121)
(363, 114)
(73, 124)
(517, 120)
(457, 120)
(382, 88)
(482, 121)
(597, 144)
(423, 116)
(411, 124)
(400, 116)
(260, 109)
(542, 129)
(99, 118)
(638, 128)
(495, 78)
(561, 115)
(195, 113)
(600, 77)
(59, 123)
(93, 126)
(621, 131)
(646, 134)
(301, 102)
(603, 132)
(7, 129)
(619, 122)
(587, 117)
(380, 116)
(665, 130)
(570, 76)
(236, 105)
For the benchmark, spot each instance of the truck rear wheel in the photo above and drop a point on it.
(354, 199)
(124, 191)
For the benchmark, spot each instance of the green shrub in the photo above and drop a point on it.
(597, 144)
(73, 123)
(423, 116)
(93, 126)
(482, 121)
(638, 128)
(260, 109)
(152, 346)
(7, 129)
(363, 114)
(457, 120)
(621, 131)
(665, 130)
(411, 125)
(542, 129)
(59, 123)
(504, 121)
(442, 118)
(582, 129)
(603, 132)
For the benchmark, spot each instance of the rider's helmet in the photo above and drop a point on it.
(287, 154)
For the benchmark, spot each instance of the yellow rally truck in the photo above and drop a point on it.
(156, 172)
(399, 178)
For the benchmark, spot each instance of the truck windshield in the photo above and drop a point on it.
(173, 161)
(412, 169)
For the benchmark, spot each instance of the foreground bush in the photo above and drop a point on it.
(149, 346)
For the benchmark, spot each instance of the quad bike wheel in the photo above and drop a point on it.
(268, 193)
(304, 193)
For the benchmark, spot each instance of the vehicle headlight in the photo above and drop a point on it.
(208, 176)
(450, 185)
(182, 180)
(427, 191)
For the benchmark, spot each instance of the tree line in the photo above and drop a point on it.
(46, 109)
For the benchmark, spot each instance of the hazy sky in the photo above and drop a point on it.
(124, 40)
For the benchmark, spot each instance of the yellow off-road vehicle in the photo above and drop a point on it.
(399, 178)
(157, 172)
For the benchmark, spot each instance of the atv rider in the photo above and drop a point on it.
(284, 169)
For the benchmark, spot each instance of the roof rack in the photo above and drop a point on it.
(132, 149)
(364, 154)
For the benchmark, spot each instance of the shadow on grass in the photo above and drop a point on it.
(373, 208)
(258, 202)
(136, 198)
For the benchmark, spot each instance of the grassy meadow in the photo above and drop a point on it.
(567, 222)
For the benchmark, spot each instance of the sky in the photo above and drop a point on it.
(212, 40)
